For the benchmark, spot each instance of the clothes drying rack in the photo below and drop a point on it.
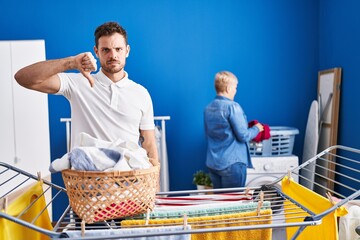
(343, 185)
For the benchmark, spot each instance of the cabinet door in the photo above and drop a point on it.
(7, 140)
(24, 128)
(30, 111)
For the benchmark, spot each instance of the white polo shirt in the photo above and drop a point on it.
(108, 110)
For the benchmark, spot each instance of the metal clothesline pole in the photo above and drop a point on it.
(67, 122)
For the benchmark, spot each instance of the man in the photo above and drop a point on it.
(106, 105)
(227, 135)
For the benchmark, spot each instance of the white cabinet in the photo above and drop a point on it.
(24, 128)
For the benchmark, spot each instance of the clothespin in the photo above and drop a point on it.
(260, 203)
(4, 204)
(82, 228)
(289, 175)
(185, 221)
(39, 177)
(147, 216)
(247, 190)
(112, 224)
(329, 196)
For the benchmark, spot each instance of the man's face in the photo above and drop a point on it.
(112, 52)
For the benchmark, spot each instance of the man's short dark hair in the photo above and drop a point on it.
(108, 29)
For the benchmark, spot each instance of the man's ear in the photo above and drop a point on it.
(228, 88)
(96, 51)
(127, 50)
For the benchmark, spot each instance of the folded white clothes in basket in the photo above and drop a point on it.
(99, 155)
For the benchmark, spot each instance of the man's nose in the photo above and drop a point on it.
(113, 53)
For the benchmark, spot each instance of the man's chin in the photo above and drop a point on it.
(112, 69)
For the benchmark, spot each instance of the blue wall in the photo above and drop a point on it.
(339, 37)
(274, 47)
(339, 46)
(176, 49)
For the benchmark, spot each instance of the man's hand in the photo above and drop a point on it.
(86, 64)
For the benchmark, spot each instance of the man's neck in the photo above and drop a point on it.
(115, 77)
(224, 94)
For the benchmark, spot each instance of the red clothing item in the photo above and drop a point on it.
(261, 135)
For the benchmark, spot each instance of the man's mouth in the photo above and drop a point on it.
(112, 62)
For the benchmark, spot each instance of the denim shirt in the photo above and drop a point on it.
(227, 134)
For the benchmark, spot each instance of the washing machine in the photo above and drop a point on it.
(268, 169)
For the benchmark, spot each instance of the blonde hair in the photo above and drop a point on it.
(223, 79)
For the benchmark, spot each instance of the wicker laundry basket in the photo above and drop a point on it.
(96, 196)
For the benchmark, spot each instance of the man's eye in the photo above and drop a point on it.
(105, 50)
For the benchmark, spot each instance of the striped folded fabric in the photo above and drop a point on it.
(203, 199)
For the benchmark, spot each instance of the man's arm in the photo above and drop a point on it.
(42, 76)
(149, 143)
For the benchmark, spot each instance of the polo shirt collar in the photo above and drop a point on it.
(105, 81)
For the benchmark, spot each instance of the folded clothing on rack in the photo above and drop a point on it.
(219, 221)
(209, 209)
(204, 199)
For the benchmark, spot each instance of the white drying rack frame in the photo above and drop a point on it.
(67, 122)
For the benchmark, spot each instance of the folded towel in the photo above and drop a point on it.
(207, 209)
(203, 199)
(219, 221)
